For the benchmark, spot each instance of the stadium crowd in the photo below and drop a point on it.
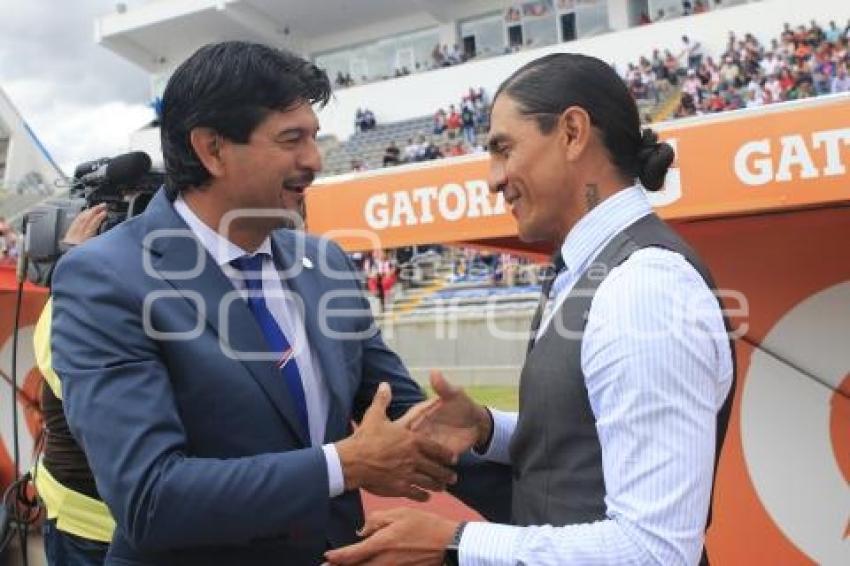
(803, 62)
(442, 55)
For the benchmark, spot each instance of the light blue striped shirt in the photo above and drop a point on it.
(658, 367)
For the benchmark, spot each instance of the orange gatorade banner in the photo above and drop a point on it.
(783, 156)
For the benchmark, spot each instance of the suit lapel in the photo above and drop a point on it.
(302, 276)
(180, 259)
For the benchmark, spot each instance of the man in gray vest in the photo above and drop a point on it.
(626, 389)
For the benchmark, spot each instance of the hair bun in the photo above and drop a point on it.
(655, 159)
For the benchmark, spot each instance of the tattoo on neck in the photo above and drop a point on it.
(591, 195)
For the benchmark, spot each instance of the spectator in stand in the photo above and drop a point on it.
(841, 82)
(453, 122)
(455, 56)
(660, 16)
(833, 34)
(803, 90)
(770, 65)
(358, 165)
(773, 90)
(446, 56)
(786, 81)
(717, 102)
(692, 52)
(467, 118)
(457, 149)
(482, 118)
(481, 97)
(692, 84)
(825, 68)
(754, 99)
(437, 57)
(380, 276)
(421, 148)
(447, 150)
(671, 64)
(365, 120)
(700, 7)
(369, 119)
(359, 120)
(687, 107)
(729, 71)
(439, 122)
(392, 155)
(411, 151)
(432, 152)
(8, 242)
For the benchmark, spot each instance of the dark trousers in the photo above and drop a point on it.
(64, 549)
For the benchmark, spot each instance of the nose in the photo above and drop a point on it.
(497, 177)
(310, 157)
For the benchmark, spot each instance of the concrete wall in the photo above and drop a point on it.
(472, 349)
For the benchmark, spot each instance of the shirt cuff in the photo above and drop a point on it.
(336, 481)
(488, 544)
(504, 424)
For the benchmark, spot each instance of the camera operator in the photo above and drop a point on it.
(79, 526)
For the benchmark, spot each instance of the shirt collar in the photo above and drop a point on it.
(222, 250)
(600, 225)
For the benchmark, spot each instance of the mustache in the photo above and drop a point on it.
(299, 181)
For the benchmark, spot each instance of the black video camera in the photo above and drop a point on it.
(125, 183)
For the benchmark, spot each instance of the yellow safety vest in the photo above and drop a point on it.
(74, 512)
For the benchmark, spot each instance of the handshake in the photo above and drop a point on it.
(414, 454)
(409, 457)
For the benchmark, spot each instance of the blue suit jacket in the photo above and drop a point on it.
(199, 456)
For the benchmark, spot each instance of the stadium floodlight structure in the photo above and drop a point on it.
(27, 172)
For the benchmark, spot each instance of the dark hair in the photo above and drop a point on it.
(546, 87)
(230, 87)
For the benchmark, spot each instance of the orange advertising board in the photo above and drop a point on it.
(780, 157)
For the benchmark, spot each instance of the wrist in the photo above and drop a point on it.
(451, 556)
(485, 428)
(348, 462)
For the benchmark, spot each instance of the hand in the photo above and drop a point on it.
(455, 421)
(85, 225)
(398, 537)
(389, 459)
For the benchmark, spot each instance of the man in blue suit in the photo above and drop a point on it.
(212, 363)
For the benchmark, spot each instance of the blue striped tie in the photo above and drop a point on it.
(251, 268)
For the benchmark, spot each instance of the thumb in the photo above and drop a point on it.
(441, 386)
(380, 402)
(374, 522)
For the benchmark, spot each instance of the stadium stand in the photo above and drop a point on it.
(804, 61)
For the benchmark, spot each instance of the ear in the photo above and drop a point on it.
(574, 131)
(207, 144)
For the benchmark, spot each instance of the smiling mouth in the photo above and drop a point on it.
(298, 189)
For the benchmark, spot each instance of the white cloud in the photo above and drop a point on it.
(81, 100)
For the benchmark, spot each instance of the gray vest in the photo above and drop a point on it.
(555, 450)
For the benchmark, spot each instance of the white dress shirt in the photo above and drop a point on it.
(657, 367)
(288, 316)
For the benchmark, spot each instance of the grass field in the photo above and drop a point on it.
(498, 397)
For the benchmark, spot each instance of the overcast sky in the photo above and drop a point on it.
(80, 99)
